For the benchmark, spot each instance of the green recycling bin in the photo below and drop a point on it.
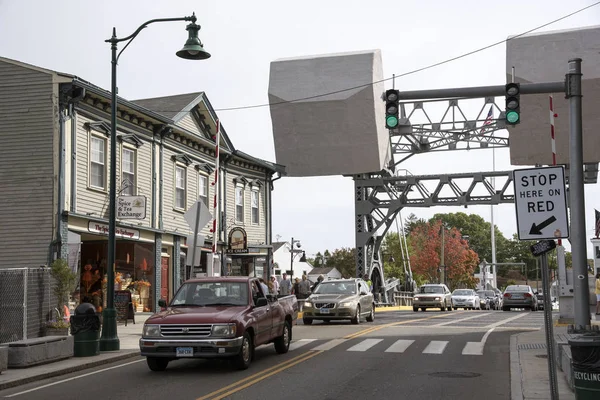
(85, 328)
(585, 350)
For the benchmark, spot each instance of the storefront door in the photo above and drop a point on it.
(164, 278)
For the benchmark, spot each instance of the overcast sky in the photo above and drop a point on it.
(245, 36)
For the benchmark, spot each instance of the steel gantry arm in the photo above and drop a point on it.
(380, 197)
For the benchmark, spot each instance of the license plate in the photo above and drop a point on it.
(184, 352)
(517, 296)
(324, 310)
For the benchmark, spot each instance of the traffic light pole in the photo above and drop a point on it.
(482, 91)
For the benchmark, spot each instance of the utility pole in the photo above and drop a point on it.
(576, 196)
(442, 262)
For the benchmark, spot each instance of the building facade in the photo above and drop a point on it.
(54, 171)
(282, 257)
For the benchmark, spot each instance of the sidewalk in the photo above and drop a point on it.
(129, 337)
(529, 365)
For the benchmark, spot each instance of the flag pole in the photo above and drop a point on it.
(216, 207)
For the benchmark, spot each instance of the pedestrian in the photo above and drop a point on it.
(275, 284)
(317, 283)
(285, 286)
(304, 287)
(263, 287)
(369, 283)
(598, 293)
(295, 287)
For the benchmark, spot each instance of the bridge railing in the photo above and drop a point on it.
(403, 298)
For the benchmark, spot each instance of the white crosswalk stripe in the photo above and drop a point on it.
(365, 345)
(299, 343)
(434, 347)
(399, 346)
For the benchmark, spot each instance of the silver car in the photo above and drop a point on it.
(432, 296)
(340, 299)
(519, 296)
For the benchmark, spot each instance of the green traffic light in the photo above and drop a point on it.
(512, 117)
(391, 121)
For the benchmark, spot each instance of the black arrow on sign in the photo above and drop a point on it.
(537, 229)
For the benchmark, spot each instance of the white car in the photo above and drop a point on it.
(467, 299)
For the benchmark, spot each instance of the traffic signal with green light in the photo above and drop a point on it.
(513, 103)
(392, 106)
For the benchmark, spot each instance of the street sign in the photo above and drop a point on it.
(540, 202)
(542, 247)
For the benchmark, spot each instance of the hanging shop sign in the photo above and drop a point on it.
(238, 241)
(95, 227)
(131, 207)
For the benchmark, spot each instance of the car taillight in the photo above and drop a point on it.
(527, 294)
(507, 295)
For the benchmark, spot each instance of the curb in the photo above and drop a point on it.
(516, 388)
(68, 370)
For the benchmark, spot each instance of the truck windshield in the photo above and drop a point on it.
(211, 293)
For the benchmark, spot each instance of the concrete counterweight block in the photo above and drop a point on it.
(340, 133)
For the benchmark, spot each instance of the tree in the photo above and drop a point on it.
(424, 249)
(391, 249)
(411, 222)
(65, 281)
(343, 260)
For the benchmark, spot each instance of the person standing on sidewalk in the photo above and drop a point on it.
(285, 286)
(275, 284)
(598, 294)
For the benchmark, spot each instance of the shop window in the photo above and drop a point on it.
(98, 162)
(254, 205)
(203, 188)
(180, 187)
(128, 172)
(239, 204)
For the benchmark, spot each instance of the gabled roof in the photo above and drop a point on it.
(321, 271)
(171, 106)
(277, 245)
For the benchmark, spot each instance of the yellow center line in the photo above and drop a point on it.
(276, 367)
(378, 327)
(220, 395)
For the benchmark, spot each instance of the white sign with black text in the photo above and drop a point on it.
(131, 207)
(540, 202)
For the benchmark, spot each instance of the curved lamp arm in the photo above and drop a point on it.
(114, 40)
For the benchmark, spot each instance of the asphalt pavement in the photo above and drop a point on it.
(425, 355)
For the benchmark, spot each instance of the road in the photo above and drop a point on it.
(424, 355)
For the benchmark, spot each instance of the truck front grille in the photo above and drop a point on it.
(185, 330)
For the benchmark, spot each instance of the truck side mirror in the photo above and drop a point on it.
(162, 303)
(262, 302)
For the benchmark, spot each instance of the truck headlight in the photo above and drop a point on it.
(415, 298)
(437, 298)
(223, 330)
(151, 330)
(347, 304)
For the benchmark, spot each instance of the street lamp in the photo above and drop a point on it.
(293, 255)
(192, 50)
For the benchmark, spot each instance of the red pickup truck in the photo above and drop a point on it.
(218, 317)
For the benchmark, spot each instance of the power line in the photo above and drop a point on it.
(416, 70)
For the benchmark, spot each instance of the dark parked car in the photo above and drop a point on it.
(519, 296)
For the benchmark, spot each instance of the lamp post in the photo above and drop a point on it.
(293, 254)
(192, 50)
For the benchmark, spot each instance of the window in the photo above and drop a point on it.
(254, 205)
(239, 204)
(179, 187)
(128, 172)
(98, 162)
(203, 188)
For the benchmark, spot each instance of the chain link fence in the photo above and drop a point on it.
(27, 302)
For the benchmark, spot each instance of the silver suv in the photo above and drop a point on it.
(432, 296)
(339, 299)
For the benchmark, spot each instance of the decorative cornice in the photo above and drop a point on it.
(100, 126)
(241, 179)
(182, 158)
(204, 167)
(131, 138)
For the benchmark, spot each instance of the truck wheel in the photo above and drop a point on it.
(356, 319)
(282, 343)
(244, 357)
(157, 364)
(307, 321)
(415, 309)
(371, 316)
